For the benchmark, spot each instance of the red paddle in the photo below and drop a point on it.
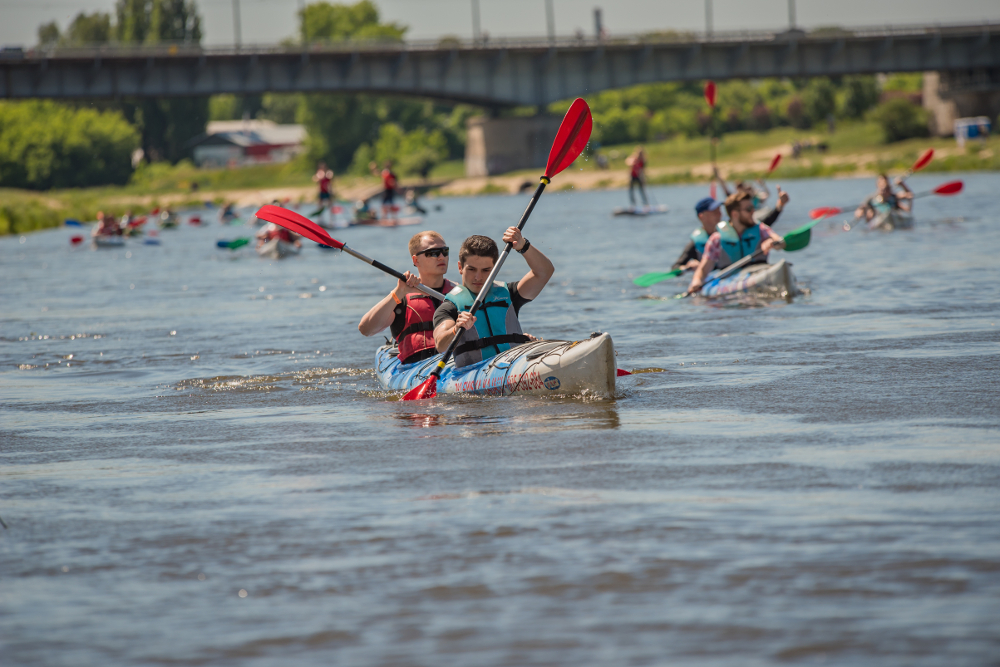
(573, 135)
(710, 92)
(303, 226)
(774, 164)
(922, 162)
(945, 190)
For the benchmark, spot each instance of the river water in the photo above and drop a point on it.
(197, 466)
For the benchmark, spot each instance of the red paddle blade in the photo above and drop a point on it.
(573, 135)
(427, 389)
(824, 212)
(710, 91)
(924, 160)
(621, 372)
(952, 188)
(774, 163)
(301, 225)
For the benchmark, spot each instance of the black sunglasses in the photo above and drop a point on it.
(435, 252)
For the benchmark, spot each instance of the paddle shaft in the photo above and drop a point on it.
(391, 271)
(481, 297)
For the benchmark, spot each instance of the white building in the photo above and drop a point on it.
(234, 143)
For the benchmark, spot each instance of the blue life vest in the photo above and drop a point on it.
(699, 237)
(735, 247)
(496, 329)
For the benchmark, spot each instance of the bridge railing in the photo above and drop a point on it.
(182, 49)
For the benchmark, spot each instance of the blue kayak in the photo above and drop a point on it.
(543, 367)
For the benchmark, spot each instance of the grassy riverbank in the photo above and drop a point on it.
(855, 149)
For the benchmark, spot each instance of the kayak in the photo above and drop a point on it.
(388, 222)
(776, 279)
(887, 219)
(641, 211)
(108, 241)
(277, 249)
(539, 368)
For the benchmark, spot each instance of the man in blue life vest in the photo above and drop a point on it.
(710, 215)
(408, 312)
(496, 327)
(886, 198)
(742, 236)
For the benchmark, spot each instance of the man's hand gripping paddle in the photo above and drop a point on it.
(303, 226)
(573, 135)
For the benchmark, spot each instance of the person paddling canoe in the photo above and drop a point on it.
(408, 312)
(732, 241)
(901, 200)
(496, 328)
(709, 215)
(324, 179)
(107, 225)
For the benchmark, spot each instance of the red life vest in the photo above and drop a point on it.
(388, 180)
(416, 340)
(281, 234)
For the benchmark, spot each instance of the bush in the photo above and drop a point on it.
(47, 145)
(861, 94)
(819, 99)
(900, 119)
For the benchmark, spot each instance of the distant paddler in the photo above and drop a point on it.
(496, 327)
(272, 231)
(887, 198)
(228, 213)
(741, 237)
(637, 174)
(389, 185)
(324, 179)
(408, 312)
(709, 215)
(106, 225)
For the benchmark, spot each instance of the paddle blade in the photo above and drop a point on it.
(427, 389)
(710, 92)
(621, 372)
(76, 240)
(797, 239)
(299, 224)
(947, 189)
(238, 243)
(774, 163)
(222, 244)
(824, 212)
(649, 279)
(573, 135)
(73, 223)
(924, 160)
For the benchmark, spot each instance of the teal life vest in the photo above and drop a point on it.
(699, 237)
(496, 329)
(735, 246)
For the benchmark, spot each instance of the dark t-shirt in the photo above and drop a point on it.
(449, 311)
(399, 322)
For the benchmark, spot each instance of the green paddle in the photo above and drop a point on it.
(649, 279)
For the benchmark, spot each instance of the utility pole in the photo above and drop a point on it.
(550, 21)
(708, 17)
(236, 22)
(302, 19)
(598, 24)
(791, 14)
(475, 20)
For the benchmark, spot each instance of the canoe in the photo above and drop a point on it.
(758, 279)
(108, 241)
(388, 222)
(277, 249)
(540, 368)
(887, 219)
(641, 211)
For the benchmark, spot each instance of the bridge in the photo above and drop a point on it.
(494, 73)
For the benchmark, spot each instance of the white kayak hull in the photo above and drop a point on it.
(541, 368)
(886, 221)
(105, 241)
(774, 280)
(277, 249)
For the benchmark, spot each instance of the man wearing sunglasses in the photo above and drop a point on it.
(408, 312)
(732, 241)
(496, 328)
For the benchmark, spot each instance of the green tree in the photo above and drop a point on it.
(48, 34)
(323, 21)
(860, 95)
(89, 29)
(819, 99)
(900, 119)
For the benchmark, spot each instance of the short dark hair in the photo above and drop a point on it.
(480, 246)
(733, 200)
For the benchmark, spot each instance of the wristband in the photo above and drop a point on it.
(524, 248)
(396, 298)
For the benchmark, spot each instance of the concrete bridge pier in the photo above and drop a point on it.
(960, 94)
(499, 145)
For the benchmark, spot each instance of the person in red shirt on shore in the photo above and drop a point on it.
(389, 185)
(637, 162)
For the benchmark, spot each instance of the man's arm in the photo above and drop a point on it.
(447, 320)
(540, 269)
(383, 313)
(689, 255)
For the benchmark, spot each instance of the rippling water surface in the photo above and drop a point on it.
(197, 465)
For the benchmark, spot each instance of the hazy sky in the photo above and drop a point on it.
(269, 21)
